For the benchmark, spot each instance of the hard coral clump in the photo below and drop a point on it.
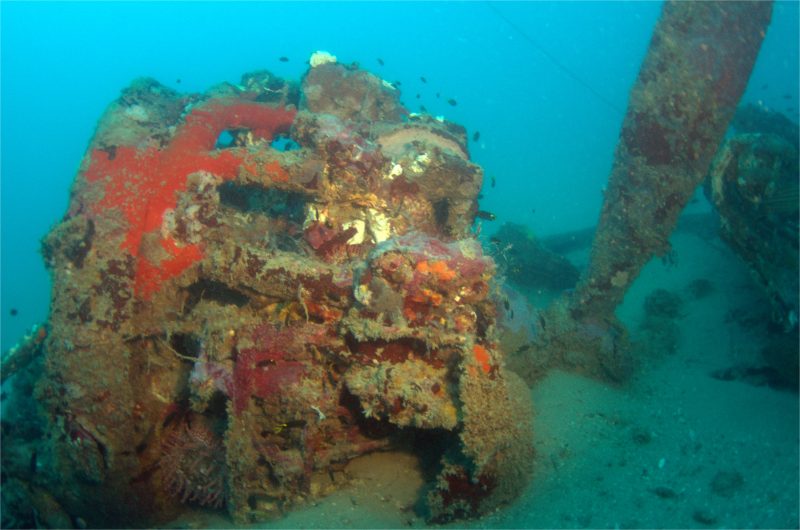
(408, 392)
(350, 93)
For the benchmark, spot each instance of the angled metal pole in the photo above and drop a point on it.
(696, 69)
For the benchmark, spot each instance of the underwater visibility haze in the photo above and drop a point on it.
(321, 264)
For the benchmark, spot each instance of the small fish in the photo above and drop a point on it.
(422, 108)
(533, 210)
(437, 95)
(493, 180)
(494, 240)
(476, 136)
(280, 427)
(178, 81)
(523, 348)
(283, 59)
(787, 96)
(480, 196)
(417, 96)
(397, 83)
(483, 214)
(506, 304)
(14, 312)
(380, 61)
(452, 102)
(423, 79)
(764, 86)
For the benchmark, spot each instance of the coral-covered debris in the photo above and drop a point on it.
(528, 263)
(255, 285)
(753, 184)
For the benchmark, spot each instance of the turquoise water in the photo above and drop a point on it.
(547, 138)
(546, 96)
(541, 133)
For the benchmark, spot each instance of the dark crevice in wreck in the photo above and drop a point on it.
(185, 344)
(271, 202)
(213, 291)
(371, 427)
(441, 213)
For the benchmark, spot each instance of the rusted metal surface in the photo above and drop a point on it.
(696, 69)
(233, 321)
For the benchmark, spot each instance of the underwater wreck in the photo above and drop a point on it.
(255, 285)
(233, 321)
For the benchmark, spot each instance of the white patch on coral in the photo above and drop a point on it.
(470, 248)
(315, 214)
(137, 113)
(320, 57)
(191, 211)
(360, 227)
(421, 163)
(363, 294)
(396, 171)
(320, 415)
(379, 227)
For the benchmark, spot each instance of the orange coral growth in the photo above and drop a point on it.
(434, 297)
(426, 296)
(409, 313)
(439, 269)
(328, 314)
(482, 356)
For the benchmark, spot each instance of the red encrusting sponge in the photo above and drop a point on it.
(143, 183)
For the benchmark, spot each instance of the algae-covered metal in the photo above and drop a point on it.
(255, 285)
(696, 69)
